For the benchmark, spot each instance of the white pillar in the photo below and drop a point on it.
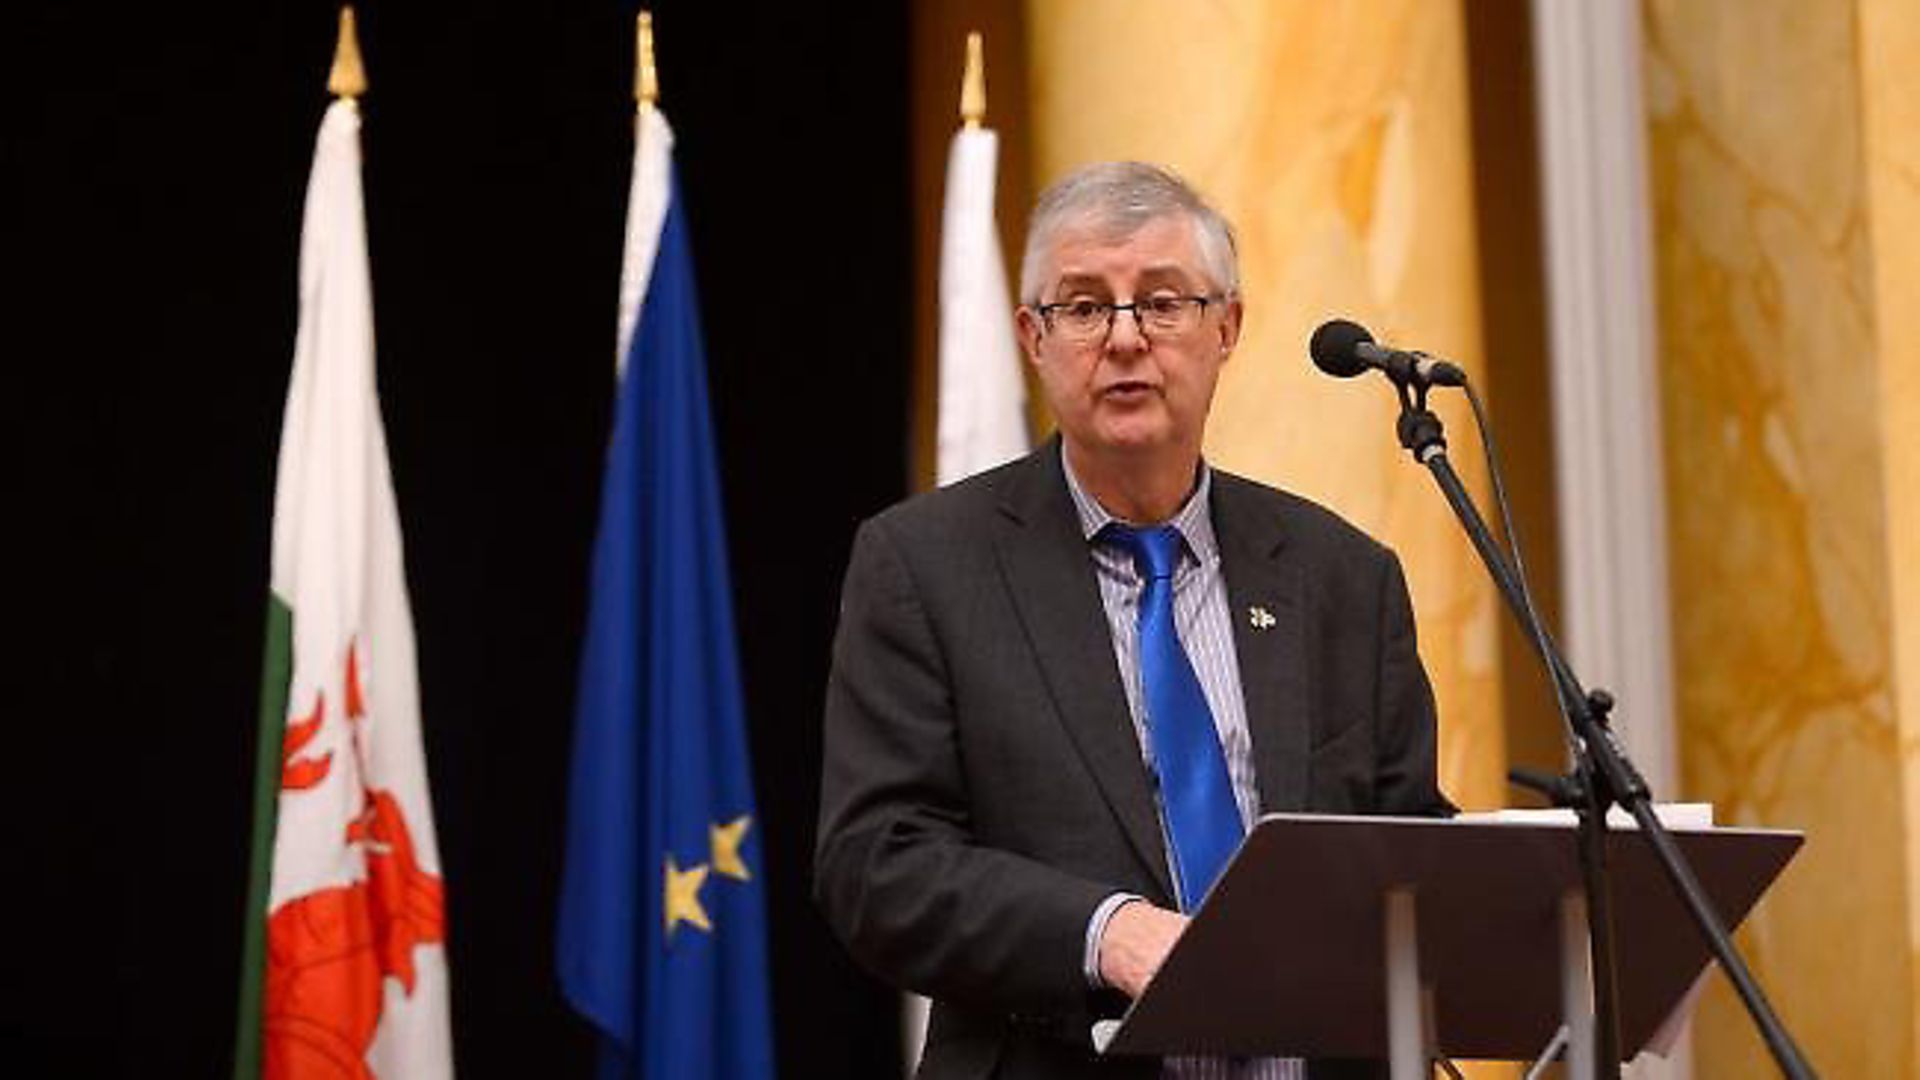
(1603, 326)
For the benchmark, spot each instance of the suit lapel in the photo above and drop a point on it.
(1267, 605)
(1051, 581)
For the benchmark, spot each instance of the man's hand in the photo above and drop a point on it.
(1137, 939)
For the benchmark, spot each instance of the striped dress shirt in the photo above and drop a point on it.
(1204, 623)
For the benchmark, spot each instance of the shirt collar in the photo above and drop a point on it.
(1192, 520)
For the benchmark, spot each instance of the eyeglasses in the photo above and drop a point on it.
(1084, 321)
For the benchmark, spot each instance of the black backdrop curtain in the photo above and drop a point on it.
(155, 183)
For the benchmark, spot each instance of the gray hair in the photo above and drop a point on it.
(1118, 198)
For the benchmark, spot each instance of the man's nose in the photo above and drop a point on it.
(1124, 333)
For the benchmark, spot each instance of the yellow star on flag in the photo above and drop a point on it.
(683, 896)
(726, 848)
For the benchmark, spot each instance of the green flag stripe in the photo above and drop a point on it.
(275, 676)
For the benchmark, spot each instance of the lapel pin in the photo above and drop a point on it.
(1260, 617)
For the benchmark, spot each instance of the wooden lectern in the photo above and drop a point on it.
(1403, 938)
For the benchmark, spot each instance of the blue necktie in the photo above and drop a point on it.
(1195, 793)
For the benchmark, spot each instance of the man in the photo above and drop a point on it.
(1048, 721)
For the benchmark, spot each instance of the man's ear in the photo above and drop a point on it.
(1027, 327)
(1231, 312)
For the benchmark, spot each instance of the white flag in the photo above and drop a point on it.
(983, 393)
(983, 416)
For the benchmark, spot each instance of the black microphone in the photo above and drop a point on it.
(1344, 349)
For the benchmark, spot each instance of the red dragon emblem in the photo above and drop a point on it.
(329, 951)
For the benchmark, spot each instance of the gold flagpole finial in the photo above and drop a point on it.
(646, 78)
(348, 79)
(973, 85)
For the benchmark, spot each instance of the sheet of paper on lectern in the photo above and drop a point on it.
(1685, 815)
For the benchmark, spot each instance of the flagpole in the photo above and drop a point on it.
(973, 84)
(347, 79)
(646, 77)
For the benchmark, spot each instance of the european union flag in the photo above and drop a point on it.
(662, 937)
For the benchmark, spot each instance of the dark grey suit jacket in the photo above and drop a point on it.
(983, 787)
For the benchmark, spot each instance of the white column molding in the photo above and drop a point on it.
(1602, 322)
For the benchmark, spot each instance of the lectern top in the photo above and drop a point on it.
(1286, 955)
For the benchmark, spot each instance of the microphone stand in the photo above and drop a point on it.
(1601, 775)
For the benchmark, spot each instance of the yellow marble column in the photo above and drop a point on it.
(1335, 137)
(1889, 37)
(1782, 139)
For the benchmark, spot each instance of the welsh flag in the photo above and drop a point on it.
(345, 969)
